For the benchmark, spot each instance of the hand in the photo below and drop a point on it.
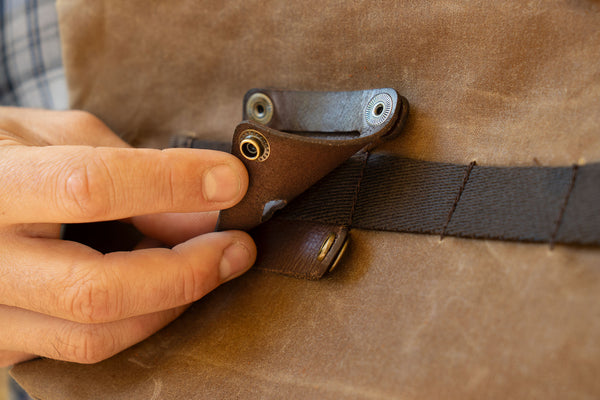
(66, 301)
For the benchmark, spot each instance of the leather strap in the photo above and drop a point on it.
(291, 139)
(302, 249)
(297, 139)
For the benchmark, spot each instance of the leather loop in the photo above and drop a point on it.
(307, 136)
(305, 249)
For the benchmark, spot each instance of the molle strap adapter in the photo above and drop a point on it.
(289, 140)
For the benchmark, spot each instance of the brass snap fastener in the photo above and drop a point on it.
(378, 109)
(254, 146)
(259, 108)
(326, 246)
(340, 254)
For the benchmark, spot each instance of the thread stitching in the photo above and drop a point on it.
(357, 190)
(564, 206)
(457, 198)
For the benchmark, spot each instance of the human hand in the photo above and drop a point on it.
(66, 301)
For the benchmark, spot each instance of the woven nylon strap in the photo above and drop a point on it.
(389, 193)
(385, 192)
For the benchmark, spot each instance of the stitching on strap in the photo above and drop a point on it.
(457, 199)
(357, 190)
(564, 206)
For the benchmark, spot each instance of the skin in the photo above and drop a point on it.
(66, 301)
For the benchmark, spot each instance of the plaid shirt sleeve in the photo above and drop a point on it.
(31, 72)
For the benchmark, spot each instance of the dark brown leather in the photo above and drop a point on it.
(309, 134)
(328, 128)
(293, 248)
(339, 116)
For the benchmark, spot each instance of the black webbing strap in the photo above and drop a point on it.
(389, 193)
(385, 192)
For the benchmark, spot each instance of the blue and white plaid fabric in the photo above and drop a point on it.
(16, 393)
(31, 72)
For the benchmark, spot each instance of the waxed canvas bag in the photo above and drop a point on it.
(405, 315)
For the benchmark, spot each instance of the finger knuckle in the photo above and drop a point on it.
(87, 188)
(92, 299)
(86, 344)
(196, 282)
(189, 288)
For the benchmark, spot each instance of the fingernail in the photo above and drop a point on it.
(236, 259)
(221, 183)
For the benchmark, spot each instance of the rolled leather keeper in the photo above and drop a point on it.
(330, 114)
(308, 134)
(302, 249)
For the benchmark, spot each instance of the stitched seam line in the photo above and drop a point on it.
(357, 190)
(457, 199)
(563, 207)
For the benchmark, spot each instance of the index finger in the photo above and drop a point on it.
(71, 184)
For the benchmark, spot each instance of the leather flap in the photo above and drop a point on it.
(301, 138)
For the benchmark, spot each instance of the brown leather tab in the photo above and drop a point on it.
(302, 250)
(301, 137)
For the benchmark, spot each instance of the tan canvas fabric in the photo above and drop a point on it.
(404, 316)
(3, 384)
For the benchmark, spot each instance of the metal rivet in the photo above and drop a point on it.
(340, 255)
(326, 246)
(378, 109)
(259, 108)
(254, 146)
(251, 148)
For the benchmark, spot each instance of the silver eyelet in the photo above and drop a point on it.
(259, 108)
(379, 109)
